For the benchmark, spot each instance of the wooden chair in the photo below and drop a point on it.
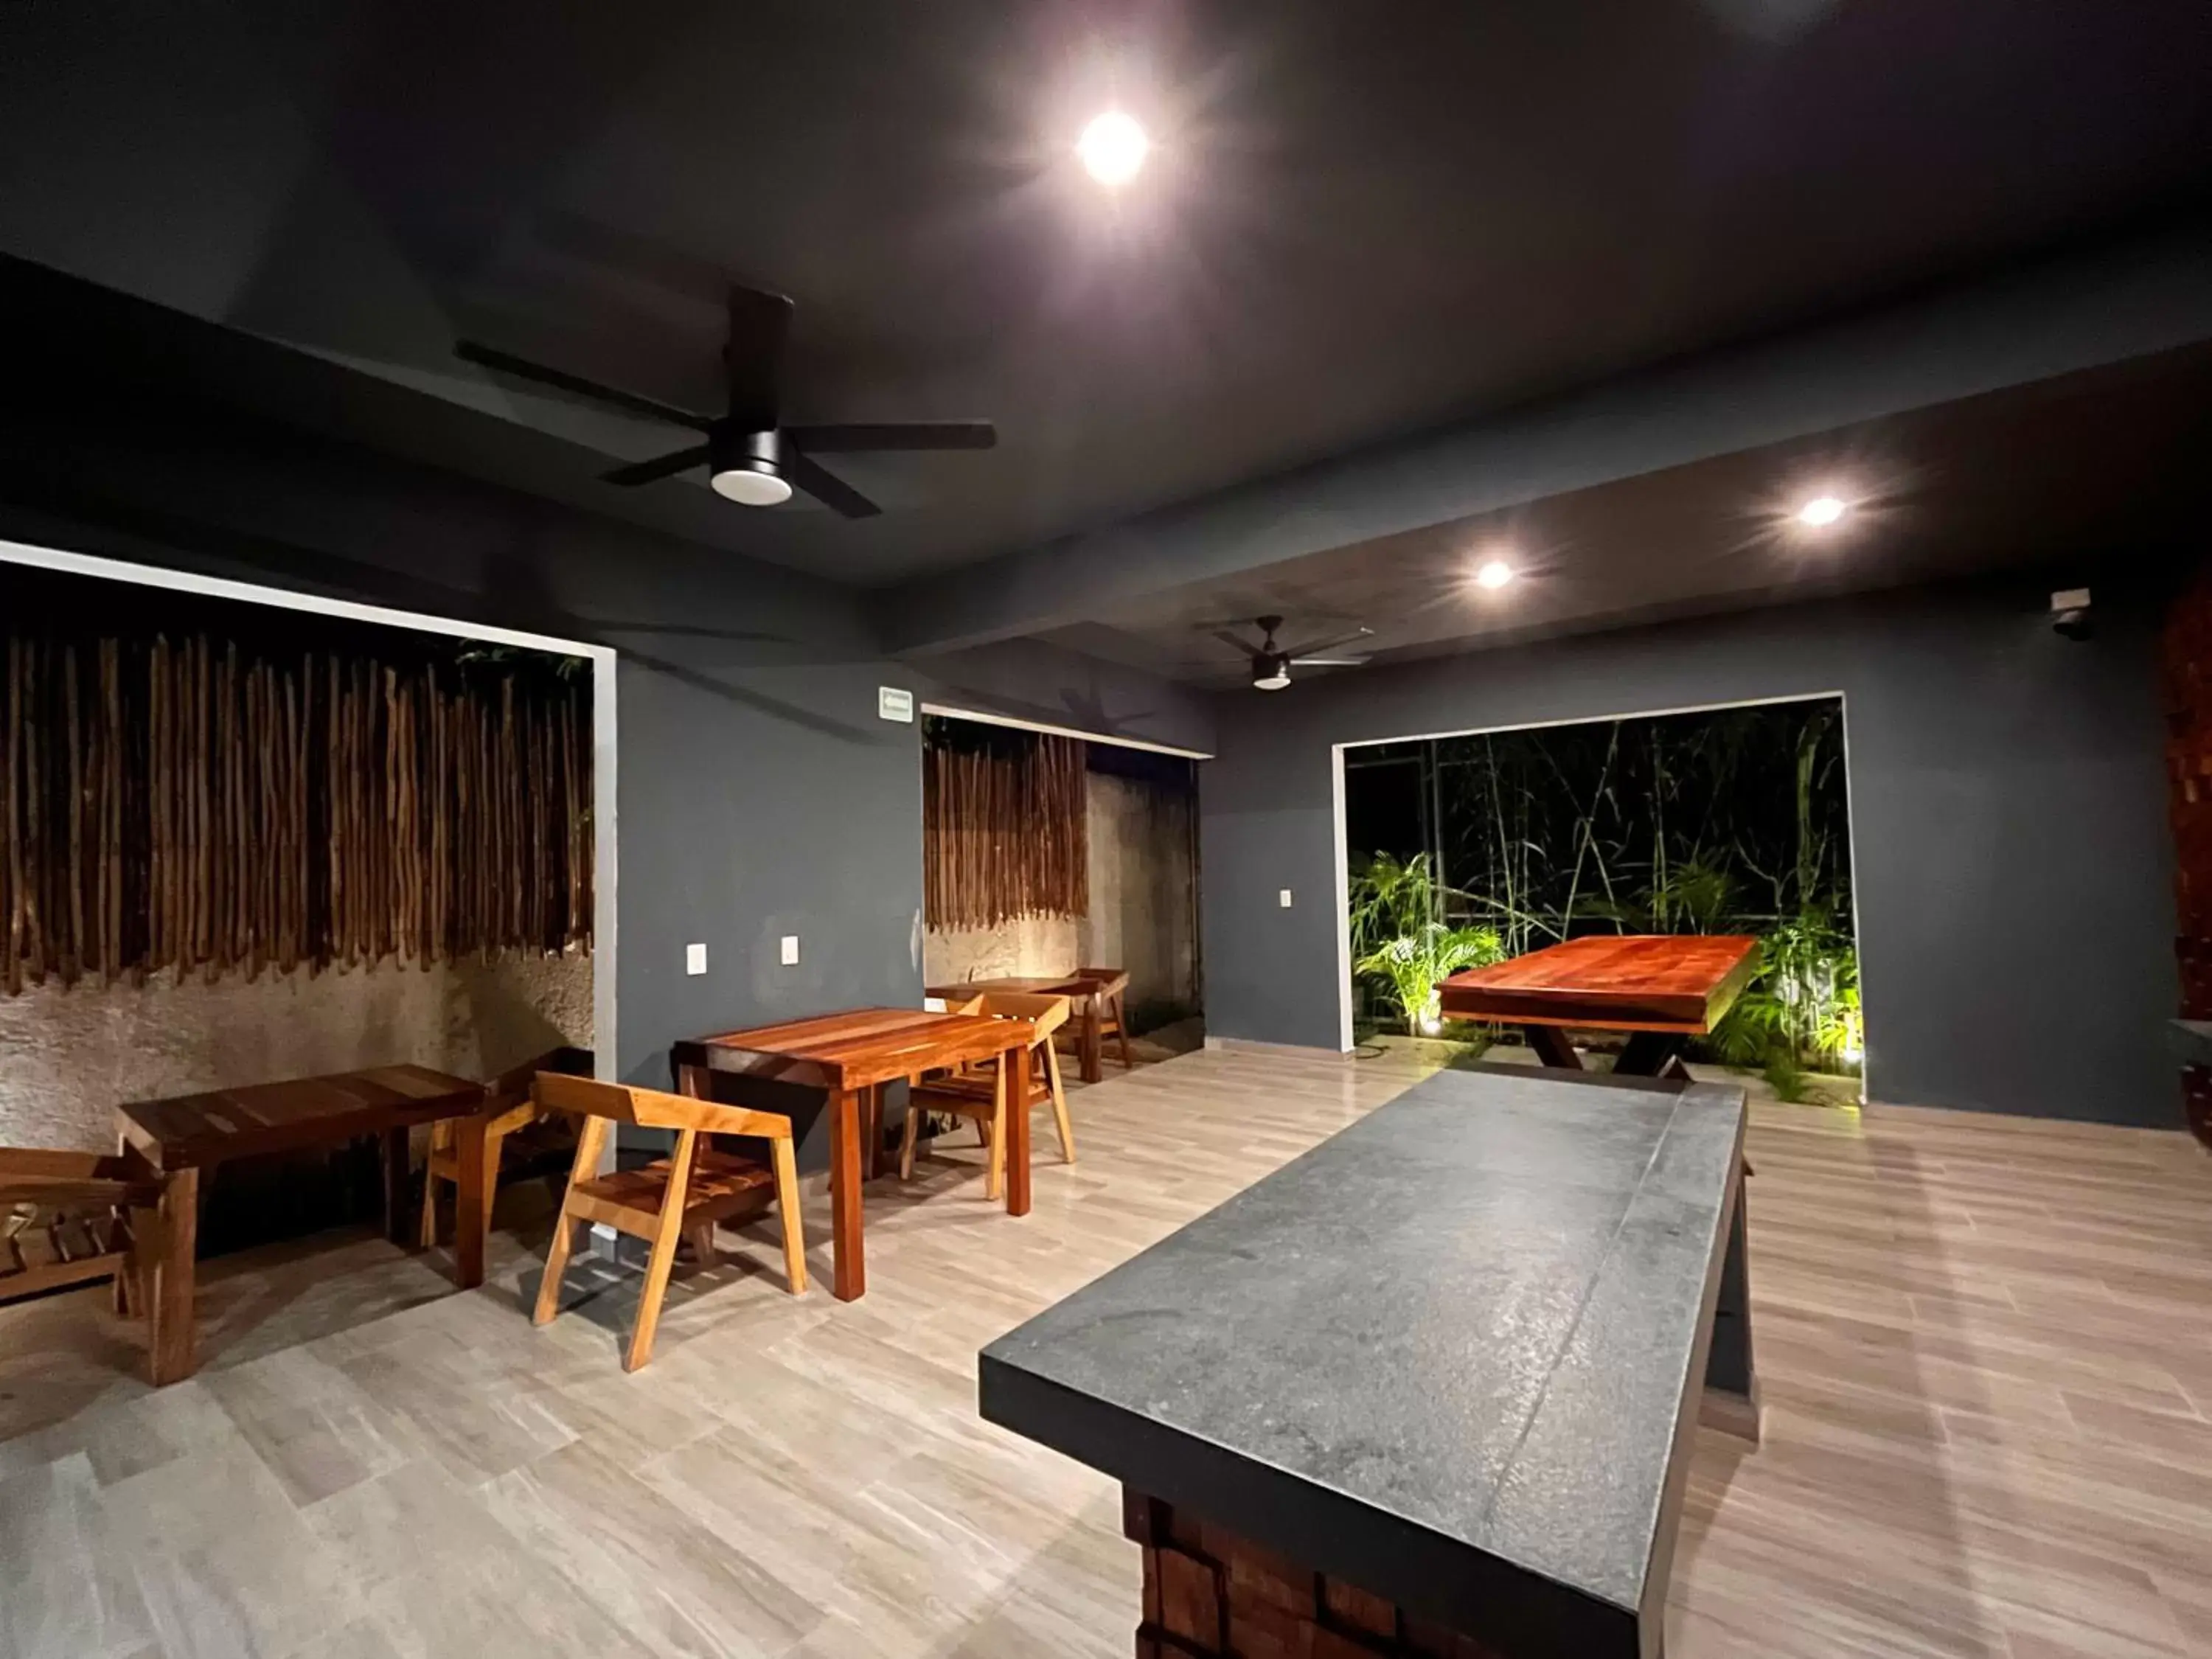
(682, 1195)
(507, 1094)
(74, 1218)
(1110, 990)
(976, 1095)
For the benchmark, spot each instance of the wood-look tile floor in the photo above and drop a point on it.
(1985, 1346)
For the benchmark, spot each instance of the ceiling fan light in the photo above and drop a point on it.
(747, 468)
(751, 484)
(1274, 679)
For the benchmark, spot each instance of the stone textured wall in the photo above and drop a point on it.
(67, 1056)
(1143, 912)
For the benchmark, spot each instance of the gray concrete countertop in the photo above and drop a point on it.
(1452, 1354)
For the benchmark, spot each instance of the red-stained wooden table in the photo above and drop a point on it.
(850, 1056)
(185, 1134)
(1660, 989)
(1080, 989)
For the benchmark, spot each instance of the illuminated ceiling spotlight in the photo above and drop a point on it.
(1113, 148)
(1494, 574)
(1822, 511)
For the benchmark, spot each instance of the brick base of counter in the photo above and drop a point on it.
(1211, 1595)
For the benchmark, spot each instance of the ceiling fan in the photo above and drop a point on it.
(752, 458)
(1272, 665)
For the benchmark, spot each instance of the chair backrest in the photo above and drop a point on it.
(512, 1086)
(35, 1177)
(68, 1207)
(1047, 1013)
(652, 1109)
(1105, 981)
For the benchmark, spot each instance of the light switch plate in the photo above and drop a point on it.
(1285, 901)
(695, 958)
(790, 950)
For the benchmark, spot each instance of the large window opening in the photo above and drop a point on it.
(1471, 849)
(248, 834)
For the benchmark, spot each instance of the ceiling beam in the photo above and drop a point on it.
(2129, 300)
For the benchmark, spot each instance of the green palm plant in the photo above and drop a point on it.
(1414, 961)
(1390, 898)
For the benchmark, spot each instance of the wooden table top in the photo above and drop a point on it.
(1043, 985)
(1681, 983)
(858, 1048)
(194, 1130)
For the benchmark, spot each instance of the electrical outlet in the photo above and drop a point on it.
(790, 950)
(1285, 899)
(695, 958)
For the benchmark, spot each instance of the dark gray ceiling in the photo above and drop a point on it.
(1354, 230)
(2082, 473)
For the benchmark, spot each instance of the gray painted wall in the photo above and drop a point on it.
(759, 793)
(2015, 873)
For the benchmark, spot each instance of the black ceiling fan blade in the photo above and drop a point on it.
(1329, 644)
(1244, 647)
(759, 323)
(522, 369)
(826, 487)
(854, 435)
(645, 472)
(1330, 662)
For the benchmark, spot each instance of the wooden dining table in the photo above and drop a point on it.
(1080, 989)
(1660, 989)
(850, 1057)
(185, 1134)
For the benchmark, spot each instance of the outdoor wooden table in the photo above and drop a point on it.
(182, 1136)
(853, 1055)
(1661, 989)
(1079, 988)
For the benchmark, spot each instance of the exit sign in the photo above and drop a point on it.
(894, 704)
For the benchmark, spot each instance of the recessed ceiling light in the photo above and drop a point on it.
(1496, 573)
(1822, 511)
(1113, 148)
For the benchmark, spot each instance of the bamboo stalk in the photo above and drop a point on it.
(34, 822)
(111, 823)
(72, 948)
(11, 833)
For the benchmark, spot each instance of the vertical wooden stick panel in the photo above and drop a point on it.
(193, 803)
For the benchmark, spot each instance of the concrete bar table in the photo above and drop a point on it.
(1429, 1388)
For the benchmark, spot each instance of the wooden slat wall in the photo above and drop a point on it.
(2185, 649)
(182, 804)
(1005, 830)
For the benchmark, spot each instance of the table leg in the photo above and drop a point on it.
(850, 1275)
(396, 1164)
(1651, 1054)
(1014, 1078)
(871, 1132)
(129, 1297)
(1552, 1048)
(471, 1210)
(1731, 1378)
(172, 1339)
(1094, 1061)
